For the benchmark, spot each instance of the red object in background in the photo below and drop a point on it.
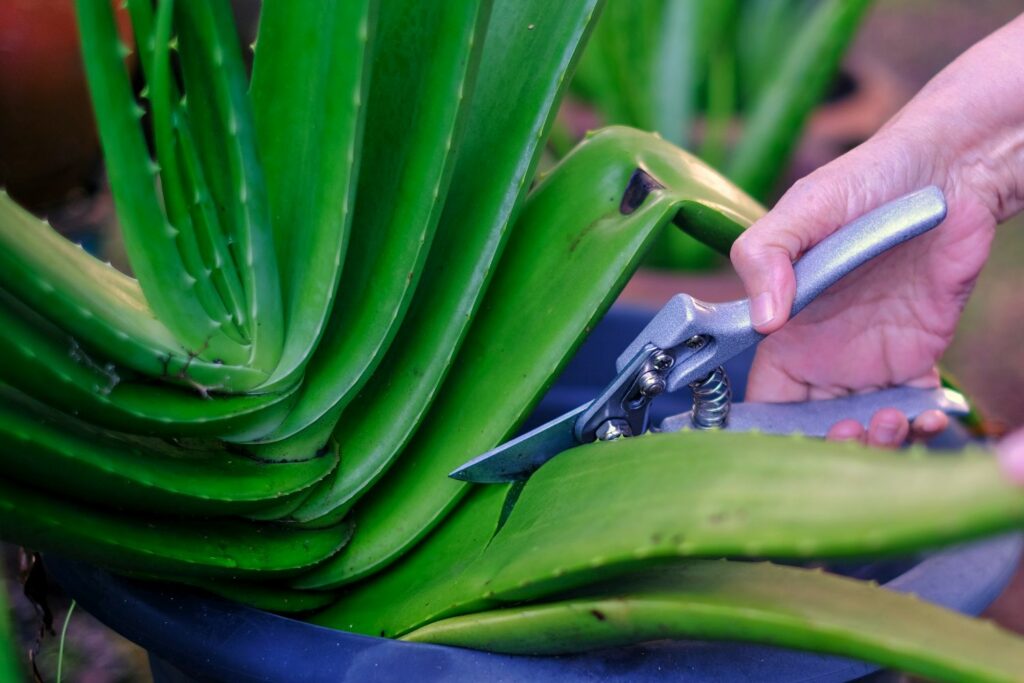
(48, 143)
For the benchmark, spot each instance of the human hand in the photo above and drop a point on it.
(1011, 456)
(888, 323)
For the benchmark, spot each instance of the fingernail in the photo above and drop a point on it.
(885, 432)
(845, 430)
(762, 309)
(932, 421)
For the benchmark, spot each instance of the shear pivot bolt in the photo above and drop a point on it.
(613, 429)
(651, 384)
(695, 342)
(662, 362)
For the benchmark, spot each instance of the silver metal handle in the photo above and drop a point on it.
(815, 418)
(727, 326)
(865, 238)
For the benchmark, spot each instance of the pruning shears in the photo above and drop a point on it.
(688, 341)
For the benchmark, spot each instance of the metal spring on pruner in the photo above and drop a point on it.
(712, 398)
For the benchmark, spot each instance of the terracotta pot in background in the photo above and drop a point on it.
(49, 151)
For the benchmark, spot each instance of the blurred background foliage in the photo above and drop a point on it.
(734, 81)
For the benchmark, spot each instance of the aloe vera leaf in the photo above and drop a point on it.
(149, 238)
(615, 70)
(593, 80)
(257, 592)
(44, 363)
(774, 125)
(625, 31)
(674, 73)
(685, 495)
(10, 667)
(164, 101)
(522, 75)
(759, 602)
(571, 252)
(217, 104)
(52, 451)
(211, 241)
(864, 501)
(263, 595)
(642, 65)
(720, 20)
(159, 545)
(310, 152)
(97, 305)
(423, 74)
(766, 30)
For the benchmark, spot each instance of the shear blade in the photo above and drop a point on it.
(517, 459)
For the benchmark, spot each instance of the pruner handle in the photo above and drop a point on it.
(727, 327)
(865, 238)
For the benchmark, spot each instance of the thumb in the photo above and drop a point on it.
(1011, 456)
(763, 255)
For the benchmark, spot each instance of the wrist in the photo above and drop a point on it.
(967, 124)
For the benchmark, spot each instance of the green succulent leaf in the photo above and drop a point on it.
(682, 495)
(150, 239)
(160, 546)
(572, 250)
(310, 54)
(758, 602)
(264, 595)
(49, 450)
(776, 121)
(202, 215)
(10, 666)
(218, 107)
(521, 76)
(101, 308)
(43, 362)
(423, 73)
(167, 117)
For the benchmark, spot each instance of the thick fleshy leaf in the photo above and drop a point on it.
(572, 250)
(185, 189)
(688, 494)
(675, 62)
(425, 59)
(168, 119)
(774, 125)
(522, 74)
(10, 665)
(221, 120)
(104, 310)
(43, 362)
(758, 602)
(160, 546)
(309, 83)
(150, 240)
(51, 451)
(264, 595)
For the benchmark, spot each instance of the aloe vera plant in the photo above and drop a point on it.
(673, 66)
(344, 286)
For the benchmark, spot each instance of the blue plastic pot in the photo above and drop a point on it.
(192, 636)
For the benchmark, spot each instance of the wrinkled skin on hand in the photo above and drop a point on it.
(888, 323)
